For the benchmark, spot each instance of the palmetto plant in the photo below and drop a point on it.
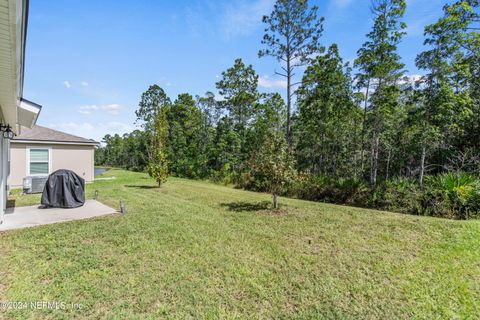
(459, 189)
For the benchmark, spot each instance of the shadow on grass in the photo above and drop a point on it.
(242, 206)
(11, 203)
(141, 186)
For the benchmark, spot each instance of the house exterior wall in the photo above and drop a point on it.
(4, 169)
(78, 158)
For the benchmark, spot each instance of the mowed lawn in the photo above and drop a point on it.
(198, 250)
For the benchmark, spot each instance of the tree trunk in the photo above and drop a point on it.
(387, 173)
(354, 147)
(422, 167)
(374, 169)
(362, 155)
(289, 102)
(335, 157)
(376, 140)
(275, 201)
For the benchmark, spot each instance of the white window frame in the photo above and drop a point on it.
(49, 160)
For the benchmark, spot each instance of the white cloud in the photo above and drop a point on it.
(266, 82)
(67, 84)
(94, 131)
(84, 83)
(112, 109)
(410, 78)
(407, 79)
(242, 18)
(88, 109)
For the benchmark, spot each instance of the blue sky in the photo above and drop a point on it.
(87, 62)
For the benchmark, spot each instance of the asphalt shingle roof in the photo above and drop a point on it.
(39, 133)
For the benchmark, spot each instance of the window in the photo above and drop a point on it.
(38, 161)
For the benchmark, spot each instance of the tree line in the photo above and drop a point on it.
(368, 126)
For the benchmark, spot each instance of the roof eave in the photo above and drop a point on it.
(14, 18)
(28, 113)
(32, 141)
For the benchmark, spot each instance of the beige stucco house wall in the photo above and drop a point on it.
(64, 151)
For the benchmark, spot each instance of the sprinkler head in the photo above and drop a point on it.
(123, 209)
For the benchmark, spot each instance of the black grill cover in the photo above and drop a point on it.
(64, 189)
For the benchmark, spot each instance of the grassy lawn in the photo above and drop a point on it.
(195, 249)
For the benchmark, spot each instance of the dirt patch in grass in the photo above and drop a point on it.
(261, 208)
(246, 206)
(274, 212)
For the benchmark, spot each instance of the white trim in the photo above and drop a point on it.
(93, 144)
(49, 161)
(29, 106)
(3, 177)
(28, 113)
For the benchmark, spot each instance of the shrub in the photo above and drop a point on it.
(456, 191)
(401, 195)
(224, 175)
(351, 191)
(449, 195)
(308, 187)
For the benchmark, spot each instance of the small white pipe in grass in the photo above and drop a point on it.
(123, 209)
(96, 195)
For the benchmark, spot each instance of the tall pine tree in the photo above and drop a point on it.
(380, 62)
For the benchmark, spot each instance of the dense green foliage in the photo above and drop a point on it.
(449, 195)
(364, 134)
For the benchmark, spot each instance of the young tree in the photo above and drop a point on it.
(379, 60)
(150, 104)
(157, 162)
(153, 108)
(291, 36)
(272, 164)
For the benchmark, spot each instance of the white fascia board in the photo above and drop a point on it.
(92, 144)
(28, 113)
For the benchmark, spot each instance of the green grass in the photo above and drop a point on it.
(198, 250)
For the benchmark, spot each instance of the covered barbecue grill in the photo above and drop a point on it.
(64, 189)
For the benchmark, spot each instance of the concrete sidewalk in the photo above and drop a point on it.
(24, 217)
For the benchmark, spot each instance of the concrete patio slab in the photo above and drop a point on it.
(24, 217)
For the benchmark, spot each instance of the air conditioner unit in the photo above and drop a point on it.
(34, 184)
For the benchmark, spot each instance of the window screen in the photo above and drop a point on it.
(39, 161)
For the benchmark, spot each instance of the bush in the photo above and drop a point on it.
(401, 195)
(449, 195)
(313, 188)
(351, 191)
(453, 194)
